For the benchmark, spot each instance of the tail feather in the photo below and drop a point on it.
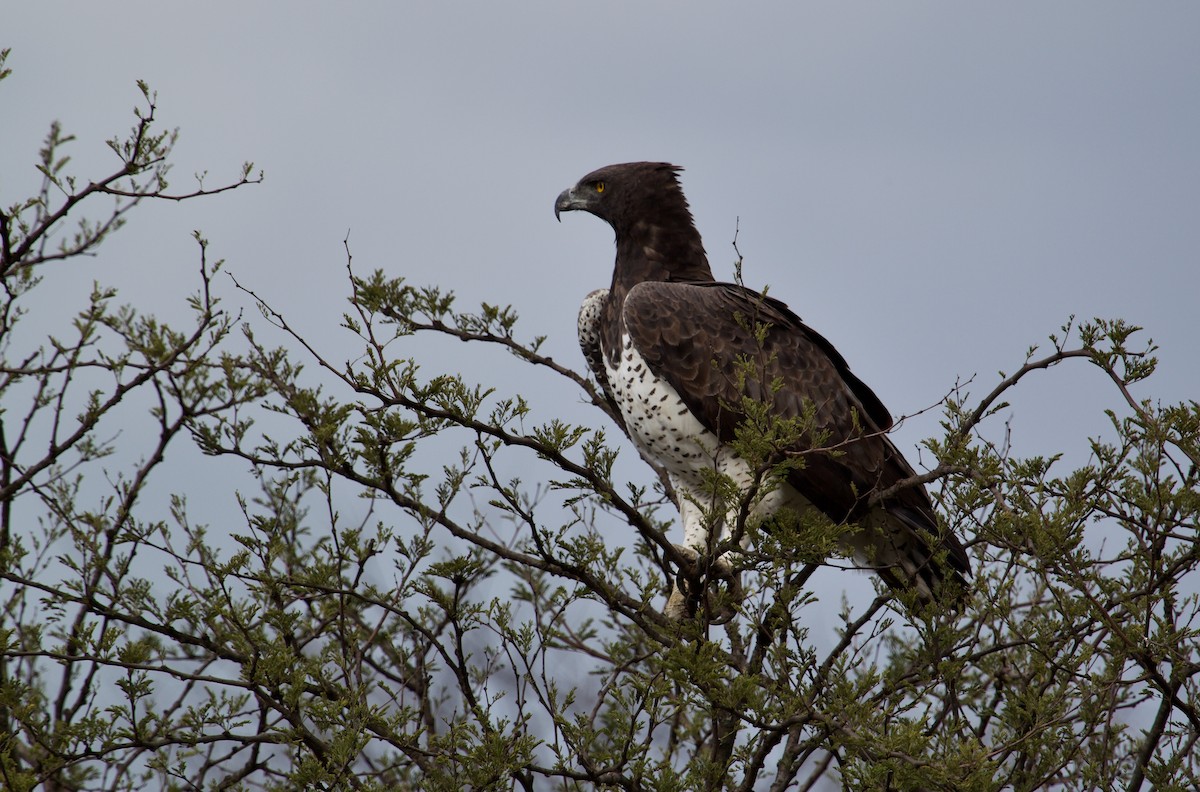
(908, 551)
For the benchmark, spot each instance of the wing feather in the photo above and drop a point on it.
(694, 334)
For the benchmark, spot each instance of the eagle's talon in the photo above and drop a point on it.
(697, 576)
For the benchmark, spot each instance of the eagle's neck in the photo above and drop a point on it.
(651, 252)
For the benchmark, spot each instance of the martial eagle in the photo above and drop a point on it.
(683, 359)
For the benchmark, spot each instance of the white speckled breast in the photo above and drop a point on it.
(659, 421)
(665, 430)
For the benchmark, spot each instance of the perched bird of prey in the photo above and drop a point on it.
(686, 360)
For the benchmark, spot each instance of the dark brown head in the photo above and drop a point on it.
(623, 194)
(644, 204)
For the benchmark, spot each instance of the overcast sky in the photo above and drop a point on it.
(934, 186)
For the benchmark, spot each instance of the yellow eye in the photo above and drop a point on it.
(599, 187)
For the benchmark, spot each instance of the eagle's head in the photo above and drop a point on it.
(624, 194)
(643, 202)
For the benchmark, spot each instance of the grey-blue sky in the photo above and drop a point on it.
(933, 185)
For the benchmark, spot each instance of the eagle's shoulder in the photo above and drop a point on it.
(591, 311)
(590, 327)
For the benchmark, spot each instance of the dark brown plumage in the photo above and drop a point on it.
(665, 341)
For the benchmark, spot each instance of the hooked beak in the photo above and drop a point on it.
(567, 201)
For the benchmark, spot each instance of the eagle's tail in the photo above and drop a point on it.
(909, 552)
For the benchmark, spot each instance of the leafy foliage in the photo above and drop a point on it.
(438, 583)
